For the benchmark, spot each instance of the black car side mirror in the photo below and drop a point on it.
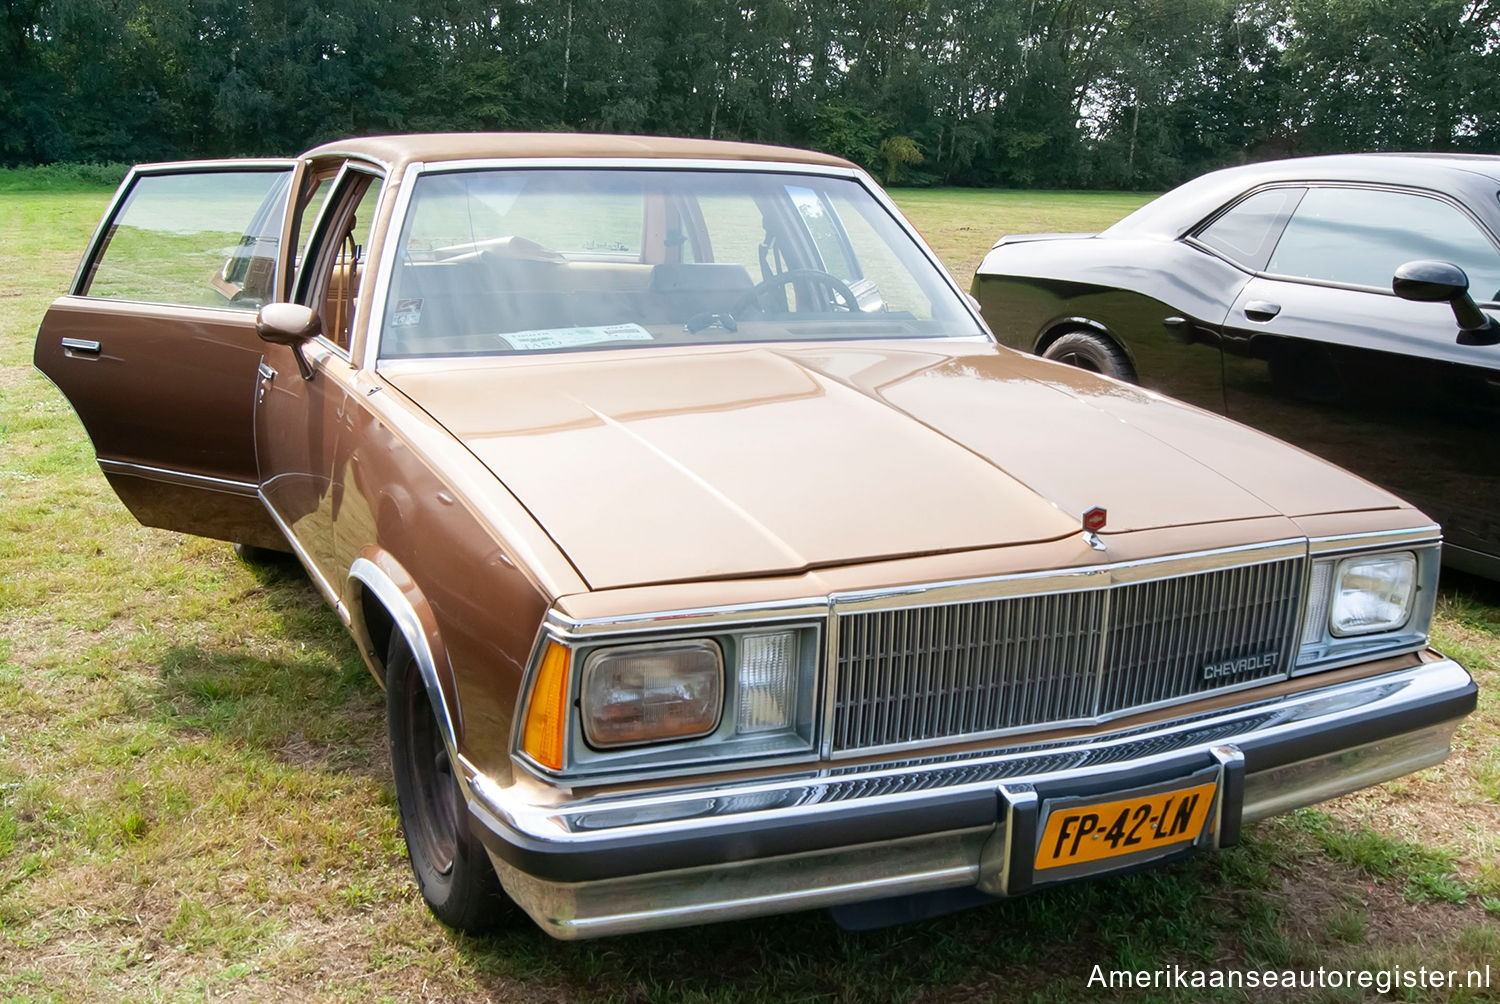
(1426, 281)
(290, 324)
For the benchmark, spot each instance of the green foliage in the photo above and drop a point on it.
(61, 177)
(899, 153)
(1050, 93)
(849, 132)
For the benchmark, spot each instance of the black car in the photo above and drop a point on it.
(1327, 300)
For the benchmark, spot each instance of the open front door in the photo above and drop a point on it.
(155, 344)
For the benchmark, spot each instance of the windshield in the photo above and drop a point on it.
(508, 261)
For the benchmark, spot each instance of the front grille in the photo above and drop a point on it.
(958, 669)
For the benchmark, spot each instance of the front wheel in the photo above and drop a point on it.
(1089, 350)
(451, 866)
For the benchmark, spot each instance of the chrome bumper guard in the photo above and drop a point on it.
(836, 835)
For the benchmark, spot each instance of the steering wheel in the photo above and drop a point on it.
(792, 275)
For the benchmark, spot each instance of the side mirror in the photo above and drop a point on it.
(290, 324)
(1437, 281)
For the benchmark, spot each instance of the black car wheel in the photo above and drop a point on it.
(452, 870)
(1093, 352)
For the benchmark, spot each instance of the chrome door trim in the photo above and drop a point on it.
(165, 475)
(386, 264)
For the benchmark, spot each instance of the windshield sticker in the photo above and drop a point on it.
(407, 312)
(568, 338)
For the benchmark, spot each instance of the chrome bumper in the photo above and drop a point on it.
(835, 835)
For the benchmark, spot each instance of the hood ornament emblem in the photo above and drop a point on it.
(1093, 521)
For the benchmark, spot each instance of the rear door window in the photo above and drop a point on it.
(193, 239)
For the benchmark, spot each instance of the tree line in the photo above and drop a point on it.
(1015, 93)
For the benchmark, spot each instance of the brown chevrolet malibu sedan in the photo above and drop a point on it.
(714, 558)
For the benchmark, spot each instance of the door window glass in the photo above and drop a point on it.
(891, 282)
(823, 227)
(307, 217)
(732, 236)
(1248, 232)
(336, 262)
(203, 239)
(1360, 236)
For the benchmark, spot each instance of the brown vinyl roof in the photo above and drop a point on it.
(396, 151)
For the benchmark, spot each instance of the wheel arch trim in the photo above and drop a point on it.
(1057, 327)
(383, 578)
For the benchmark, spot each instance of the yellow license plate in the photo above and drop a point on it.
(1079, 834)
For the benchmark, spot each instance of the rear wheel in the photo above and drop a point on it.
(451, 867)
(1089, 350)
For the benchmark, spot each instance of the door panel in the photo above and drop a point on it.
(155, 347)
(169, 388)
(1378, 385)
(303, 450)
(303, 437)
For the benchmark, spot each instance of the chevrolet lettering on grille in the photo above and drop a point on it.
(1235, 667)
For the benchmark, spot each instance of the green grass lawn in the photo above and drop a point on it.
(961, 224)
(195, 800)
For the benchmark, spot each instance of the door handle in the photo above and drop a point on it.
(82, 346)
(1261, 310)
(267, 374)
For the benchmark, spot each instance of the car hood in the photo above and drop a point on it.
(666, 464)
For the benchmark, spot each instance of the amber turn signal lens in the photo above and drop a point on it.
(547, 712)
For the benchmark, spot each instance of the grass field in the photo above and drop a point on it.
(195, 800)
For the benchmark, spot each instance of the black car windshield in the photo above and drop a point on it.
(511, 261)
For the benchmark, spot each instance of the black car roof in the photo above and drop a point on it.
(1473, 177)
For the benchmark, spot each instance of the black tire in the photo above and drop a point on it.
(1089, 350)
(452, 869)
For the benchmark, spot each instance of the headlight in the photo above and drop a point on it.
(650, 693)
(609, 705)
(1372, 594)
(1362, 606)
